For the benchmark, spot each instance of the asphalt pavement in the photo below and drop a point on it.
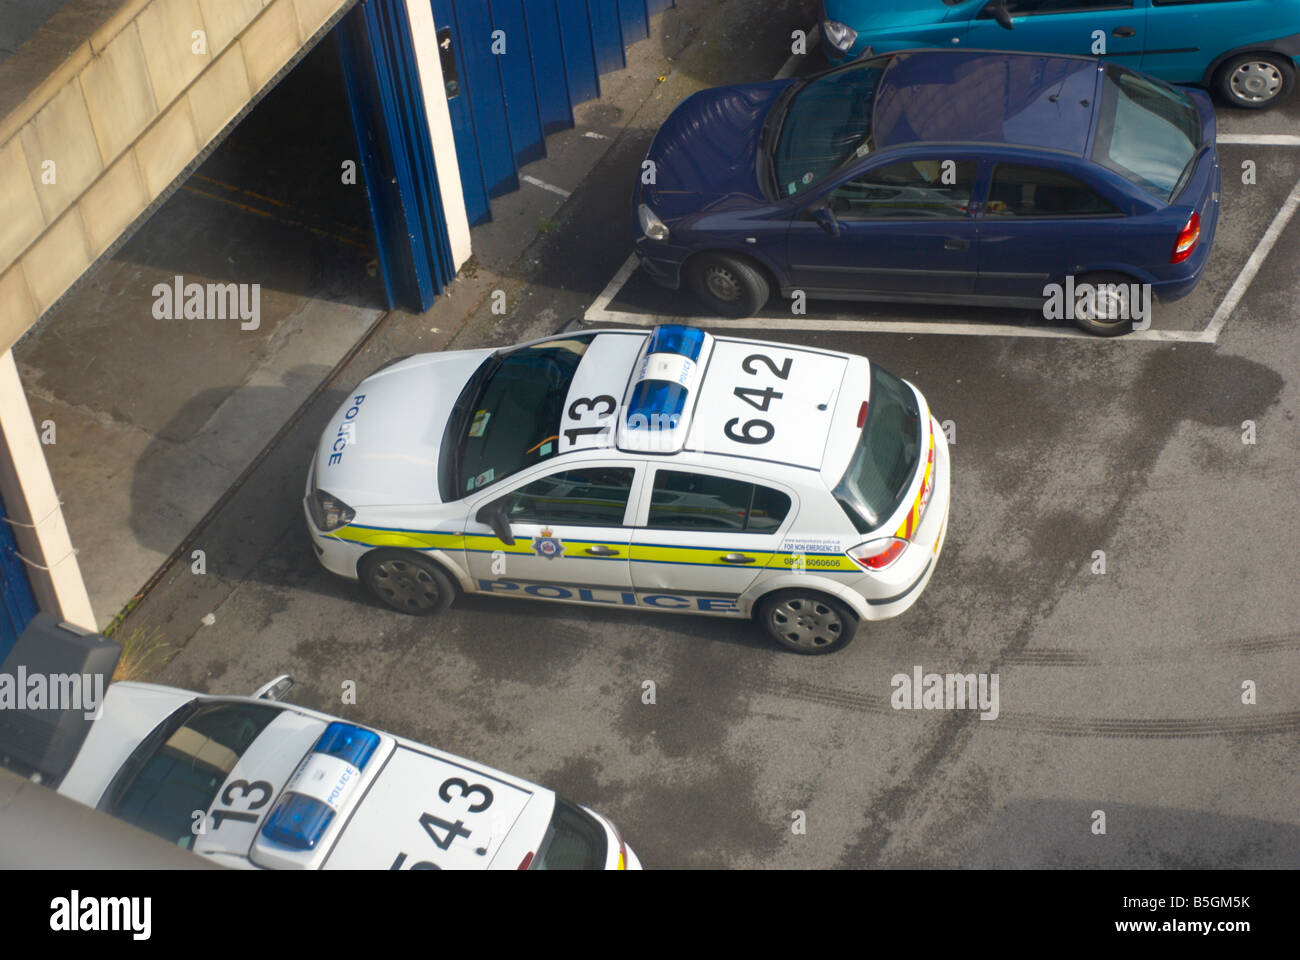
(1122, 692)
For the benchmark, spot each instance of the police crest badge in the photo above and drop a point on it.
(546, 545)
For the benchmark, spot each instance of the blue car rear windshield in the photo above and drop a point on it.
(1149, 133)
(827, 123)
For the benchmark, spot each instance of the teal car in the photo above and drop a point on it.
(1246, 50)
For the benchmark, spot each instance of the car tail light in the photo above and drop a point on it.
(622, 855)
(862, 414)
(878, 554)
(526, 861)
(1187, 238)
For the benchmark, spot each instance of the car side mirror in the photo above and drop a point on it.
(494, 515)
(275, 690)
(825, 218)
(1001, 14)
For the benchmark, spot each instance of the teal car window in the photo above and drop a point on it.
(1021, 8)
(910, 190)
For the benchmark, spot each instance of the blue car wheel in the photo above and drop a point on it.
(728, 284)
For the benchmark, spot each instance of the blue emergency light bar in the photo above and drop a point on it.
(676, 338)
(299, 821)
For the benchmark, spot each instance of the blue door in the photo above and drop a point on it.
(516, 69)
(1036, 225)
(904, 227)
(1066, 26)
(17, 605)
(396, 157)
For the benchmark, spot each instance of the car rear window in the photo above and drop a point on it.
(574, 840)
(887, 455)
(1149, 132)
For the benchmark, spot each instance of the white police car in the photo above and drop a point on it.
(665, 470)
(249, 782)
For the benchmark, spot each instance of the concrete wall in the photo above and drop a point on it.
(100, 137)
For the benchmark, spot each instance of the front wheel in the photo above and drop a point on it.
(407, 581)
(729, 285)
(807, 622)
(1255, 80)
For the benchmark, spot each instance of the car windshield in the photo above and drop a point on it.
(181, 765)
(508, 418)
(1149, 132)
(575, 840)
(827, 123)
(888, 452)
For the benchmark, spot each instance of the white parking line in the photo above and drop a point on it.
(1261, 139)
(1247, 274)
(546, 186)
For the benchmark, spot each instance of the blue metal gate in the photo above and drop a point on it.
(392, 131)
(17, 605)
(507, 90)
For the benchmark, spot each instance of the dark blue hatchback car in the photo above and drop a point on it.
(968, 177)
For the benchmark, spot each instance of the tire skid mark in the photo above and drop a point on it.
(1101, 727)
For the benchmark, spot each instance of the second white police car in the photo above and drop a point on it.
(249, 782)
(664, 470)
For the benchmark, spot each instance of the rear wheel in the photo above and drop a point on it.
(1255, 80)
(407, 581)
(1107, 310)
(806, 621)
(727, 284)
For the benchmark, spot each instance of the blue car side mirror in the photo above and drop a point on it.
(826, 219)
(1000, 13)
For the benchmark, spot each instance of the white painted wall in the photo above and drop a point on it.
(425, 36)
(33, 505)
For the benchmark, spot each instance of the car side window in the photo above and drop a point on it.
(694, 501)
(910, 190)
(595, 497)
(1024, 191)
(1020, 8)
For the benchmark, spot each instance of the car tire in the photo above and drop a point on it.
(807, 622)
(1254, 81)
(1086, 316)
(407, 581)
(729, 285)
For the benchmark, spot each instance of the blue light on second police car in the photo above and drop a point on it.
(656, 404)
(299, 821)
(676, 338)
(348, 742)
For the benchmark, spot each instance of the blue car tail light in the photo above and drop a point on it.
(321, 786)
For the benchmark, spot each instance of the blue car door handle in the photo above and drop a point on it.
(1123, 32)
(956, 243)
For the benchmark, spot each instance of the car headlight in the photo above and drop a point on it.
(328, 512)
(651, 225)
(839, 35)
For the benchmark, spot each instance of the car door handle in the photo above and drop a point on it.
(956, 243)
(1123, 32)
(737, 558)
(599, 551)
